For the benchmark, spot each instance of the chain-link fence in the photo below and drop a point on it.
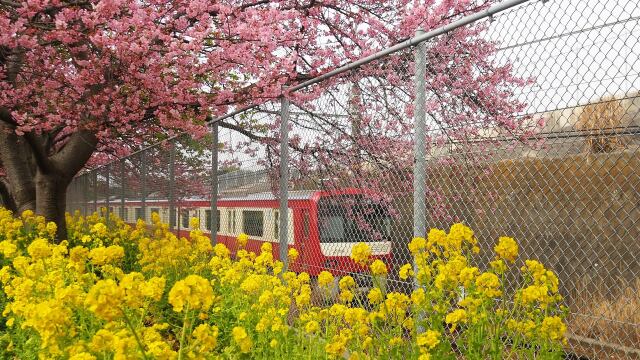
(519, 120)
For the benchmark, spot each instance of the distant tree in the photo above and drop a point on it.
(602, 120)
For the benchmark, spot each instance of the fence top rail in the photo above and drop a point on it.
(469, 19)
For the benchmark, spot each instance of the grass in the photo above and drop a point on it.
(608, 318)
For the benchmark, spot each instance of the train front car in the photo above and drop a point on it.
(344, 219)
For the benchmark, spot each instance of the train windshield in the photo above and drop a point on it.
(352, 219)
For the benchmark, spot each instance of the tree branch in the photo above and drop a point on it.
(75, 153)
(38, 150)
(10, 3)
(253, 136)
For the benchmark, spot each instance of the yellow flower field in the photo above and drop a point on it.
(115, 292)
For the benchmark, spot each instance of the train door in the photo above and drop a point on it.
(305, 235)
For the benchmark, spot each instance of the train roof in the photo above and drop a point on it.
(293, 195)
(262, 196)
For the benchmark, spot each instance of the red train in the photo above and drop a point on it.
(323, 225)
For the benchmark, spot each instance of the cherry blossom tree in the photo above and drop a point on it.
(83, 80)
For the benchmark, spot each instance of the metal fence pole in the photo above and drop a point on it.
(122, 189)
(214, 183)
(172, 179)
(107, 202)
(95, 191)
(143, 185)
(284, 180)
(85, 195)
(419, 151)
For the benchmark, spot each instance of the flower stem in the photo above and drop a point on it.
(184, 332)
(135, 334)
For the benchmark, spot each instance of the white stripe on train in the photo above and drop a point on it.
(344, 249)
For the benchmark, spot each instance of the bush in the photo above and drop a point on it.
(113, 291)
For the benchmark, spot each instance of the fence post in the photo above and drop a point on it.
(122, 189)
(172, 179)
(419, 151)
(284, 180)
(85, 195)
(95, 192)
(143, 185)
(214, 183)
(107, 200)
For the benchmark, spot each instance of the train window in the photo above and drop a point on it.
(331, 228)
(352, 220)
(276, 224)
(253, 222)
(138, 213)
(184, 215)
(125, 214)
(155, 210)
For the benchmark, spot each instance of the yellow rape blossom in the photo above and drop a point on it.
(7, 248)
(347, 282)
(82, 356)
(468, 275)
(525, 328)
(498, 266)
(325, 278)
(360, 253)
(375, 296)
(405, 271)
(293, 255)
(39, 249)
(153, 288)
(112, 297)
(221, 251)
(378, 267)
(553, 328)
(418, 296)
(456, 317)
(417, 245)
(206, 337)
(242, 339)
(242, 240)
(488, 284)
(105, 299)
(194, 291)
(109, 255)
(312, 327)
(428, 339)
(507, 249)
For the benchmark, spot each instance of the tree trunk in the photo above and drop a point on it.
(37, 177)
(51, 201)
(6, 200)
(17, 162)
